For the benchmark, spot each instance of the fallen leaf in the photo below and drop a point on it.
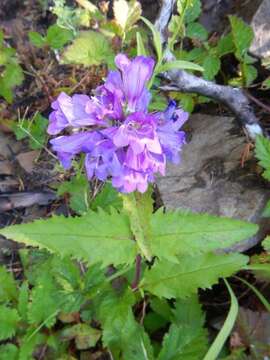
(252, 330)
(6, 168)
(27, 160)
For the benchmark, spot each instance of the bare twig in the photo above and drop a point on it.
(233, 98)
(258, 102)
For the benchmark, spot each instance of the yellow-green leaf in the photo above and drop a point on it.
(89, 48)
(126, 13)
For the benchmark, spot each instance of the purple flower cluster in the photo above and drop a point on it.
(120, 139)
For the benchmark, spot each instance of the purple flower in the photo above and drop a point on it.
(120, 139)
(103, 161)
(139, 132)
(170, 137)
(135, 75)
(70, 111)
(130, 181)
(67, 147)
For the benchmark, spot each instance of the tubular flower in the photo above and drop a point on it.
(120, 139)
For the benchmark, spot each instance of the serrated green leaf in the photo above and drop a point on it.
(180, 64)
(180, 232)
(9, 319)
(126, 13)
(36, 39)
(113, 313)
(57, 36)
(170, 280)
(262, 153)
(94, 276)
(89, 48)
(196, 31)
(65, 277)
(242, 36)
(11, 77)
(8, 352)
(225, 45)
(78, 189)
(182, 342)
(44, 305)
(11, 73)
(211, 65)
(188, 312)
(29, 342)
(95, 237)
(121, 332)
(35, 262)
(8, 289)
(107, 198)
(7, 55)
(136, 344)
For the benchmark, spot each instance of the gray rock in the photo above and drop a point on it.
(210, 177)
(261, 26)
(215, 13)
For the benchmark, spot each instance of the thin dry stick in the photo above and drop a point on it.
(257, 101)
(183, 81)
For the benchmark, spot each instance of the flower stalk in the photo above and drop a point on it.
(139, 208)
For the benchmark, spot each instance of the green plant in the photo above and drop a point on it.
(55, 38)
(262, 152)
(183, 244)
(242, 35)
(71, 18)
(120, 272)
(208, 52)
(34, 130)
(53, 291)
(11, 73)
(89, 48)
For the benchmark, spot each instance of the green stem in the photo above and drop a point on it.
(139, 208)
(138, 270)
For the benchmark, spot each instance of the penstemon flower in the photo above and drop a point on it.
(120, 138)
